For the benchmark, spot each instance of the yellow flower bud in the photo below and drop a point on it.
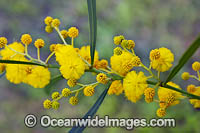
(55, 95)
(26, 39)
(39, 43)
(117, 51)
(196, 66)
(73, 100)
(55, 23)
(55, 105)
(48, 20)
(154, 54)
(48, 29)
(3, 42)
(73, 32)
(52, 47)
(131, 44)
(118, 39)
(102, 78)
(149, 94)
(64, 33)
(185, 76)
(161, 112)
(71, 82)
(47, 104)
(124, 43)
(66, 92)
(191, 88)
(89, 91)
(136, 61)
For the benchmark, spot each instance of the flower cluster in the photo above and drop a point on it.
(74, 62)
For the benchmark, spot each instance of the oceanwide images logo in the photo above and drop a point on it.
(128, 123)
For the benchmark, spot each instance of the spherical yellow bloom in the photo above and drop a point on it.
(169, 97)
(196, 66)
(101, 64)
(48, 20)
(39, 43)
(191, 88)
(122, 63)
(84, 52)
(48, 29)
(73, 32)
(115, 88)
(3, 42)
(15, 73)
(2, 68)
(102, 78)
(149, 94)
(64, 33)
(118, 39)
(66, 92)
(164, 63)
(73, 100)
(73, 68)
(7, 53)
(161, 112)
(134, 85)
(52, 47)
(55, 105)
(64, 52)
(117, 51)
(131, 44)
(71, 82)
(89, 91)
(196, 102)
(136, 61)
(55, 95)
(26, 39)
(39, 77)
(47, 104)
(185, 76)
(124, 43)
(55, 22)
(154, 54)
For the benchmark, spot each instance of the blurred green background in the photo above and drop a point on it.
(173, 24)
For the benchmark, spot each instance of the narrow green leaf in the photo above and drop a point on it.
(2, 74)
(53, 81)
(91, 112)
(20, 62)
(93, 27)
(185, 57)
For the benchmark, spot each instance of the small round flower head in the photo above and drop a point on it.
(161, 112)
(196, 66)
(149, 94)
(55, 22)
(103, 63)
(47, 104)
(55, 95)
(118, 39)
(71, 82)
(73, 32)
(73, 100)
(39, 43)
(131, 44)
(154, 54)
(191, 88)
(52, 47)
(89, 91)
(185, 76)
(55, 105)
(136, 61)
(3, 42)
(115, 88)
(26, 39)
(48, 29)
(66, 92)
(170, 98)
(2, 68)
(117, 51)
(102, 78)
(64, 33)
(124, 43)
(48, 20)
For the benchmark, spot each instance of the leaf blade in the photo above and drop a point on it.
(20, 62)
(93, 27)
(185, 57)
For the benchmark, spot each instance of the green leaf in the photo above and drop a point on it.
(91, 112)
(53, 81)
(2, 74)
(185, 57)
(20, 62)
(93, 27)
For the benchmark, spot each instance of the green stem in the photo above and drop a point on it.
(62, 38)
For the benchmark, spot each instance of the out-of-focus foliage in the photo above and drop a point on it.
(173, 24)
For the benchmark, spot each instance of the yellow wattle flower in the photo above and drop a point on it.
(164, 62)
(196, 102)
(39, 77)
(169, 97)
(7, 53)
(134, 85)
(116, 88)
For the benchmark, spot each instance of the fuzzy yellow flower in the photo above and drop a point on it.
(48, 20)
(26, 39)
(122, 63)
(115, 88)
(134, 85)
(162, 62)
(15, 73)
(89, 90)
(7, 53)
(39, 43)
(73, 32)
(3, 42)
(73, 68)
(196, 66)
(85, 54)
(196, 102)
(39, 77)
(168, 97)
